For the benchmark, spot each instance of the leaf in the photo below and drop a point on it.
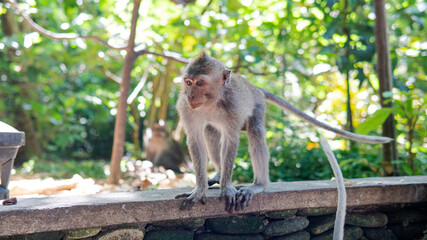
(388, 94)
(2, 10)
(374, 122)
(361, 76)
(331, 30)
(407, 169)
(408, 106)
(330, 3)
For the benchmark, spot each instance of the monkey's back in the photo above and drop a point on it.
(249, 94)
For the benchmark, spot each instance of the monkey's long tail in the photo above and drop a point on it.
(342, 194)
(270, 97)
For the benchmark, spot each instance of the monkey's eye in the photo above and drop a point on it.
(188, 83)
(200, 83)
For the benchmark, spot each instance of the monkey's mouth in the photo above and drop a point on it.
(195, 105)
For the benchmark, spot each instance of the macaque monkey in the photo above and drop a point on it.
(214, 106)
(163, 150)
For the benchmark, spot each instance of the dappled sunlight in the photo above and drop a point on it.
(138, 176)
(49, 186)
(68, 67)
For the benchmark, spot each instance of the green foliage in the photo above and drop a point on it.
(412, 126)
(65, 169)
(374, 121)
(365, 161)
(61, 95)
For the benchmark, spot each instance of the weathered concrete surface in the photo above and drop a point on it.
(32, 215)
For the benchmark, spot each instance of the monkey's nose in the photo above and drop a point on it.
(191, 98)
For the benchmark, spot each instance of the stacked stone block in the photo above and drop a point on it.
(365, 223)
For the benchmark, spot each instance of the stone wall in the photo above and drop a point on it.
(399, 221)
(148, 216)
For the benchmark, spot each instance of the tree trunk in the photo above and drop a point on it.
(121, 118)
(152, 112)
(347, 67)
(164, 97)
(9, 24)
(350, 126)
(386, 84)
(131, 55)
(23, 122)
(136, 127)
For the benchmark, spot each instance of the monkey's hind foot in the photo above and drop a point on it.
(215, 179)
(229, 193)
(191, 199)
(244, 197)
(245, 194)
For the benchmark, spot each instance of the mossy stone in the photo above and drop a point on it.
(303, 235)
(82, 233)
(379, 233)
(186, 223)
(317, 211)
(122, 233)
(236, 225)
(366, 219)
(321, 224)
(287, 226)
(216, 236)
(169, 235)
(350, 233)
(37, 236)
(281, 214)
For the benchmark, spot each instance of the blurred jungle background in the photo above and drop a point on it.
(62, 87)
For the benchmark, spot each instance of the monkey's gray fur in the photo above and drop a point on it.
(214, 106)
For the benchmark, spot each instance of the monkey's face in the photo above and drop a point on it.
(159, 131)
(200, 91)
(204, 79)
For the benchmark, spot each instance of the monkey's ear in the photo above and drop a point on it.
(226, 75)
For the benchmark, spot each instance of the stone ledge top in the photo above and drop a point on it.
(9, 136)
(58, 213)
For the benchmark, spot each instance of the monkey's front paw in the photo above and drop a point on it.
(191, 199)
(229, 193)
(244, 196)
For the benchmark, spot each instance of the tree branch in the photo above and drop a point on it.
(251, 71)
(113, 76)
(166, 54)
(135, 14)
(206, 7)
(183, 2)
(59, 36)
(70, 36)
(139, 87)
